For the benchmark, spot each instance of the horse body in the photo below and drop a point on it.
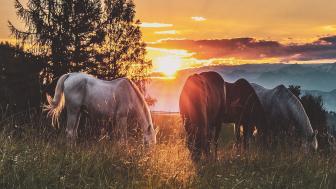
(118, 100)
(201, 109)
(285, 113)
(243, 108)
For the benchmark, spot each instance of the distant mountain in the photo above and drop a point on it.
(330, 68)
(320, 78)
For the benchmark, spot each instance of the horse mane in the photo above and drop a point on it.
(142, 99)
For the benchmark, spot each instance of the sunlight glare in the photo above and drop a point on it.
(168, 64)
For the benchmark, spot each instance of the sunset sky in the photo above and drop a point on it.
(187, 33)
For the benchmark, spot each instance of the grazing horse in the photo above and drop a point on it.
(201, 102)
(243, 108)
(285, 114)
(118, 100)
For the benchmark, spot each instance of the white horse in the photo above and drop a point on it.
(118, 99)
(282, 109)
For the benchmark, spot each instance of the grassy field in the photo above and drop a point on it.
(34, 155)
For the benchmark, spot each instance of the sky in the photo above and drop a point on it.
(193, 33)
(206, 32)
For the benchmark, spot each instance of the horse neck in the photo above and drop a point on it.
(145, 116)
(301, 119)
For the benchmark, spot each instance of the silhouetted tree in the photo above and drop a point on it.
(122, 52)
(19, 79)
(314, 108)
(295, 89)
(331, 122)
(317, 116)
(84, 35)
(315, 111)
(63, 30)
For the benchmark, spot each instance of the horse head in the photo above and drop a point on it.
(311, 143)
(150, 135)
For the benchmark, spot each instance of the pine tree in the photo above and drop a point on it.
(62, 30)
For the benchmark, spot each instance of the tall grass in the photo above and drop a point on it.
(34, 155)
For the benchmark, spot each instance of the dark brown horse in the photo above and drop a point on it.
(244, 109)
(201, 108)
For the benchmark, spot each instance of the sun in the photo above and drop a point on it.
(167, 65)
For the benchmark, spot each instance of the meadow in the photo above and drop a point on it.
(34, 155)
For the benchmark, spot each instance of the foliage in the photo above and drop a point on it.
(62, 30)
(84, 35)
(331, 122)
(122, 52)
(315, 111)
(313, 106)
(19, 79)
(295, 89)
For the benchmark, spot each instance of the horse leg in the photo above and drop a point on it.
(237, 135)
(196, 143)
(208, 133)
(207, 143)
(197, 150)
(123, 130)
(190, 134)
(217, 132)
(73, 118)
(247, 135)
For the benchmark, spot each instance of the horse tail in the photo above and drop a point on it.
(56, 104)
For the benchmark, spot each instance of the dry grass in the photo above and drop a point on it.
(33, 155)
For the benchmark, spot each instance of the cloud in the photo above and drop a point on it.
(198, 18)
(253, 49)
(166, 32)
(155, 25)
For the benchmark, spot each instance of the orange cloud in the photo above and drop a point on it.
(252, 49)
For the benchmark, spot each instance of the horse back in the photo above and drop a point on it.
(214, 84)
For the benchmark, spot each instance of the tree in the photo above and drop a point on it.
(83, 35)
(19, 71)
(296, 90)
(317, 116)
(123, 51)
(316, 113)
(63, 30)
